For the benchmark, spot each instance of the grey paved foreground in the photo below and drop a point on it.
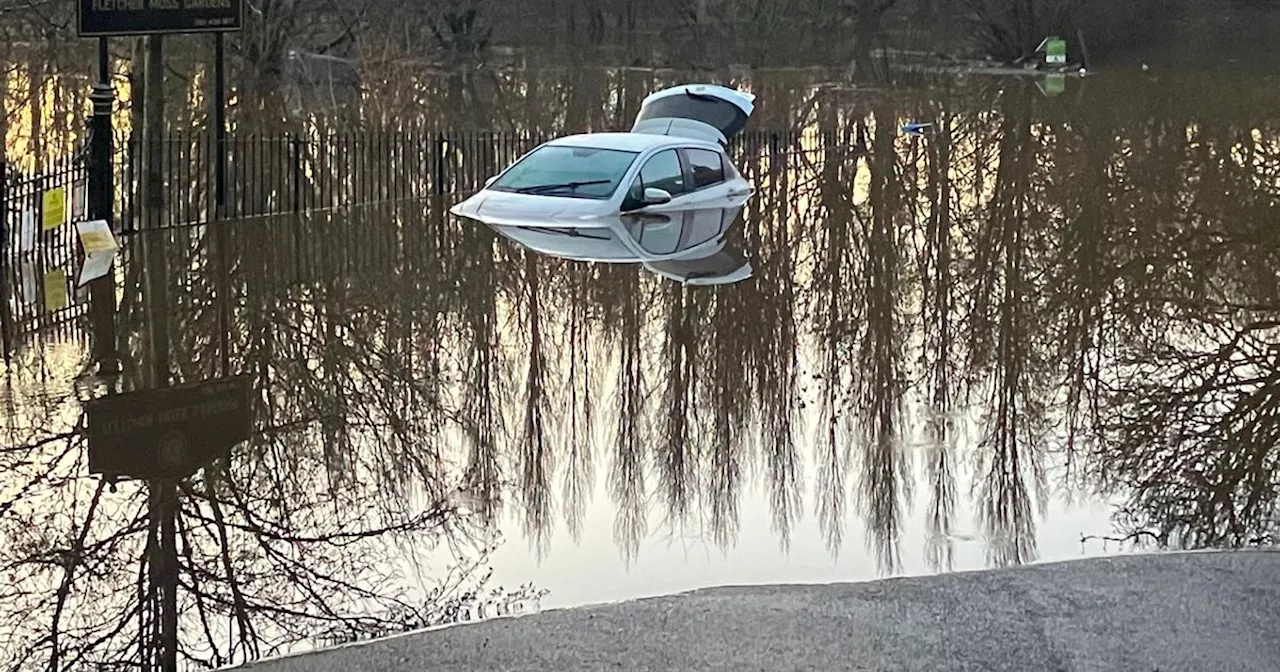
(1210, 612)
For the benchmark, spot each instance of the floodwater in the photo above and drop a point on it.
(1046, 329)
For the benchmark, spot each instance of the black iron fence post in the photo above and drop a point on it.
(295, 146)
(219, 113)
(102, 291)
(219, 123)
(440, 179)
(6, 319)
(295, 162)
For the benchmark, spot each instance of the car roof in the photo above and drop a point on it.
(630, 142)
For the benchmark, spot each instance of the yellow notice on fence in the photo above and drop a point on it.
(54, 211)
(55, 290)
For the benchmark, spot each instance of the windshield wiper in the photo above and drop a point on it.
(562, 232)
(539, 188)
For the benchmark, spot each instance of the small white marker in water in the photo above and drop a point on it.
(1145, 67)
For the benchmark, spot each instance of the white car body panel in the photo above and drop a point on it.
(742, 99)
(688, 128)
(627, 142)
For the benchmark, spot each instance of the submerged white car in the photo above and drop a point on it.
(672, 160)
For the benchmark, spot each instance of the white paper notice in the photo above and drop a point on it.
(27, 239)
(28, 281)
(100, 249)
(94, 267)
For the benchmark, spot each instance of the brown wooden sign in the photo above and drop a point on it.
(168, 432)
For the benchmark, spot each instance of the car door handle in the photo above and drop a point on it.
(742, 192)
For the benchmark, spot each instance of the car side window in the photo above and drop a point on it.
(663, 171)
(706, 167)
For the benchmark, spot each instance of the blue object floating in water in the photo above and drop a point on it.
(916, 128)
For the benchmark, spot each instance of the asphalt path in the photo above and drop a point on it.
(1198, 612)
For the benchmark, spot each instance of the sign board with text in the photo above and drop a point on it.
(168, 432)
(104, 18)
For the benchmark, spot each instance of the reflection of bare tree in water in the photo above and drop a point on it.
(699, 452)
(679, 444)
(580, 432)
(1191, 438)
(536, 457)
(1081, 274)
(835, 318)
(767, 307)
(884, 486)
(484, 390)
(1200, 478)
(627, 482)
(937, 304)
(1010, 451)
(724, 389)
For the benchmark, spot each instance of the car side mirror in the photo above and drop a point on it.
(656, 196)
(490, 180)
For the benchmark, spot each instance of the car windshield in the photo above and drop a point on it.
(574, 172)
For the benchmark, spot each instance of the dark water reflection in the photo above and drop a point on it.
(1044, 298)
